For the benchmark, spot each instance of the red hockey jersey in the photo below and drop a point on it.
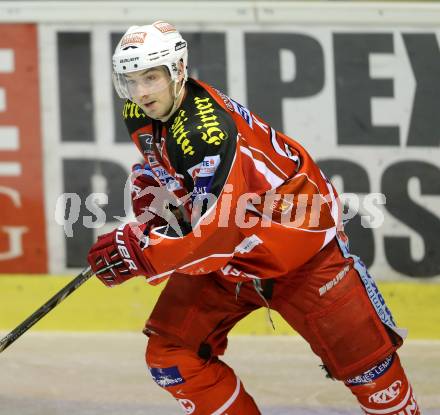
(256, 204)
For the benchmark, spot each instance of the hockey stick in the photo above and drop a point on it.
(49, 305)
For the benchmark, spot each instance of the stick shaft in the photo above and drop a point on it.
(45, 308)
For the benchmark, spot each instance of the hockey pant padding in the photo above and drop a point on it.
(388, 394)
(338, 320)
(350, 347)
(200, 386)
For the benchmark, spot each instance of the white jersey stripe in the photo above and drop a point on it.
(279, 150)
(268, 158)
(230, 401)
(272, 178)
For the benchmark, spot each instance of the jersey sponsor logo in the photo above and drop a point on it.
(243, 112)
(188, 406)
(211, 133)
(180, 133)
(131, 110)
(208, 166)
(165, 179)
(168, 376)
(386, 395)
(133, 39)
(225, 99)
(161, 173)
(372, 374)
(200, 190)
(203, 175)
(202, 186)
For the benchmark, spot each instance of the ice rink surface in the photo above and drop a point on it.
(104, 373)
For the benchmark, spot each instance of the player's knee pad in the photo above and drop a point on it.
(384, 389)
(200, 386)
(349, 335)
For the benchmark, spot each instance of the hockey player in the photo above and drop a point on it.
(256, 224)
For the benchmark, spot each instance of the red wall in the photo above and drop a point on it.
(22, 223)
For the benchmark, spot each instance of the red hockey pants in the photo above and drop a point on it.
(325, 301)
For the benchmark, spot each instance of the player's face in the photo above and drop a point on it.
(151, 89)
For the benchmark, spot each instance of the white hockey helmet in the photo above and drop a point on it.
(145, 47)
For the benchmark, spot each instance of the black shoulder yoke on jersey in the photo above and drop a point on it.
(199, 128)
(134, 117)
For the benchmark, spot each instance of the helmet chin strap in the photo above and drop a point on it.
(176, 103)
